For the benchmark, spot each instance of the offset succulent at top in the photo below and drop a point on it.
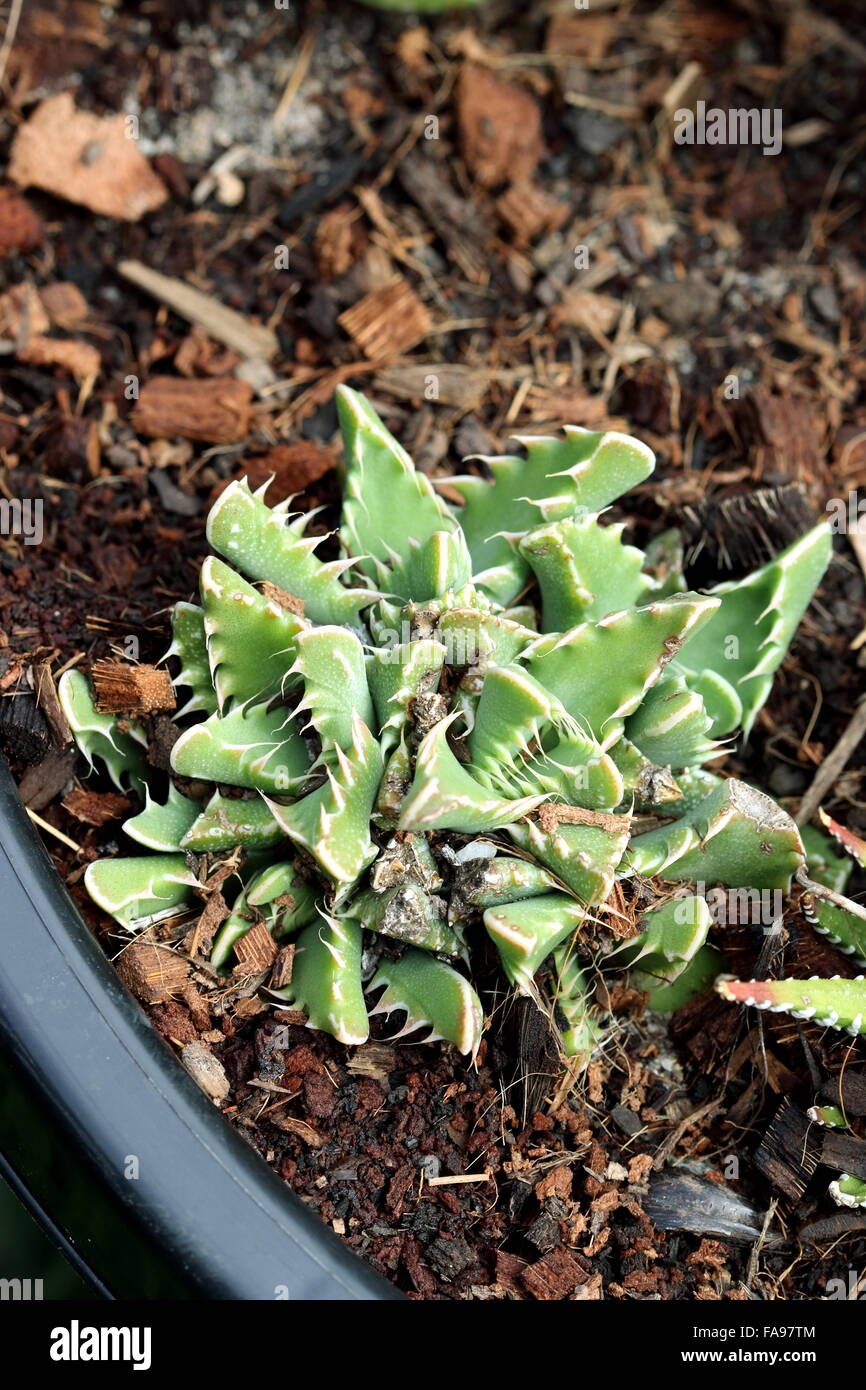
(447, 730)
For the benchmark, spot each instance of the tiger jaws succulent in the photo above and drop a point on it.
(432, 741)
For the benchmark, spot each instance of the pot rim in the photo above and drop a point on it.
(111, 1144)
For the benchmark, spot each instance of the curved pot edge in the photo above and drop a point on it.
(113, 1143)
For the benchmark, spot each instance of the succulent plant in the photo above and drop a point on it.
(456, 734)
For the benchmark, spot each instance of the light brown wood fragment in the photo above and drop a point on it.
(85, 159)
(152, 973)
(281, 975)
(256, 951)
(213, 412)
(388, 321)
(551, 815)
(282, 598)
(123, 689)
(218, 320)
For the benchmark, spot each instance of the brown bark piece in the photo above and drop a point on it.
(152, 973)
(64, 304)
(80, 360)
(387, 321)
(96, 808)
(500, 127)
(85, 159)
(217, 411)
(552, 815)
(48, 702)
(282, 598)
(206, 1070)
(123, 689)
(20, 227)
(281, 975)
(200, 939)
(256, 951)
(528, 212)
(555, 1276)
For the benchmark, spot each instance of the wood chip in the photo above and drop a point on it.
(46, 780)
(289, 467)
(554, 1277)
(152, 973)
(451, 383)
(218, 321)
(86, 159)
(80, 360)
(281, 975)
(199, 940)
(500, 127)
(214, 412)
(120, 688)
(206, 1070)
(335, 244)
(96, 808)
(597, 313)
(551, 815)
(282, 598)
(20, 227)
(48, 702)
(64, 304)
(528, 212)
(298, 1127)
(387, 321)
(256, 951)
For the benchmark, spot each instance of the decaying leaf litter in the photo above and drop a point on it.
(547, 358)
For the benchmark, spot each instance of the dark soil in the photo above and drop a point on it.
(721, 317)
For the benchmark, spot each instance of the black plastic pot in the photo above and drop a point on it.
(114, 1149)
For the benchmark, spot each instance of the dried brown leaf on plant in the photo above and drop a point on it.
(85, 159)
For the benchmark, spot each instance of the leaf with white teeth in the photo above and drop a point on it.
(601, 671)
(259, 540)
(333, 822)
(525, 933)
(162, 827)
(330, 667)
(326, 979)
(584, 570)
(672, 936)
(583, 857)
(138, 892)
(558, 478)
(573, 994)
(251, 747)
(386, 502)
(445, 796)
(672, 725)
(251, 640)
(99, 735)
(189, 645)
(432, 995)
(748, 636)
(835, 1003)
(736, 836)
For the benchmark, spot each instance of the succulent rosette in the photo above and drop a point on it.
(454, 731)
